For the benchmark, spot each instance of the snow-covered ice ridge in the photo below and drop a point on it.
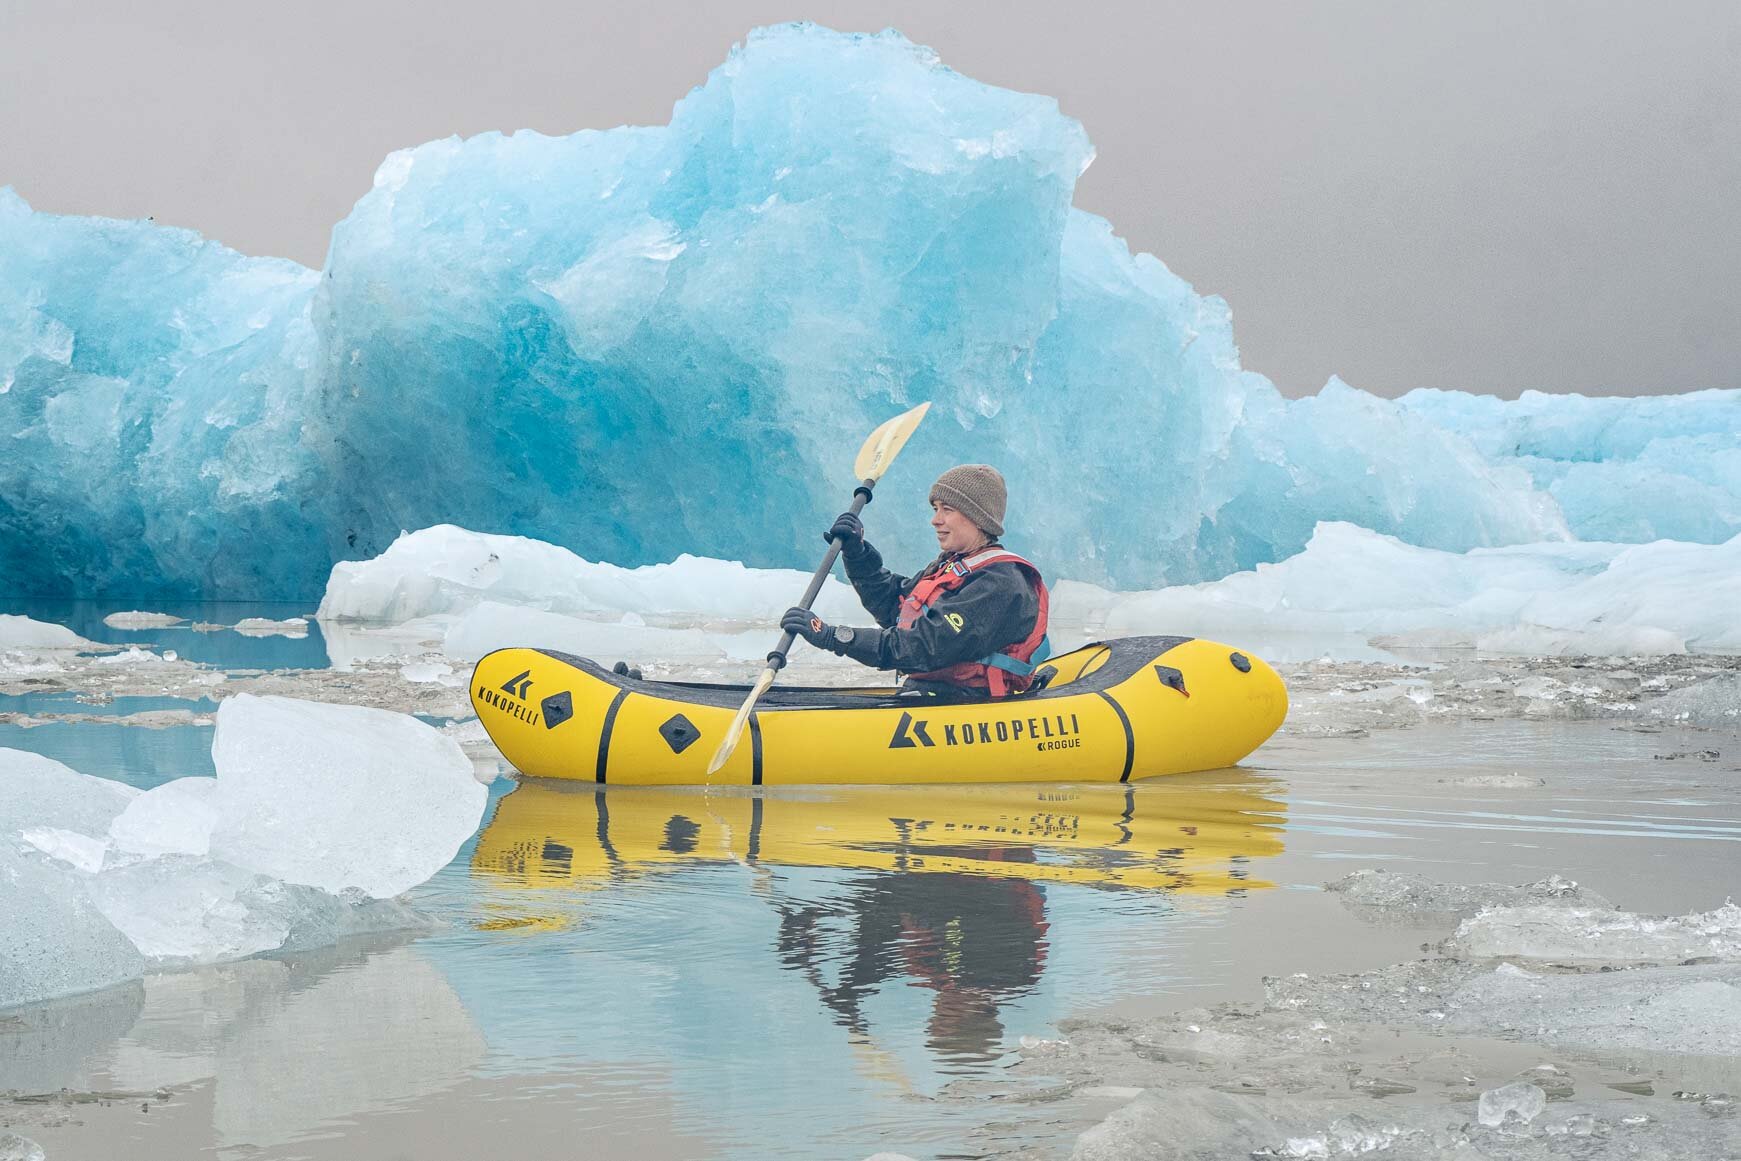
(476, 591)
(648, 341)
(319, 818)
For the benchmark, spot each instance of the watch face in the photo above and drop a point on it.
(844, 634)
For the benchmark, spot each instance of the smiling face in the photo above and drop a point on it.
(955, 532)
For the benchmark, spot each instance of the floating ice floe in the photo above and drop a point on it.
(319, 816)
(137, 619)
(134, 655)
(266, 627)
(25, 633)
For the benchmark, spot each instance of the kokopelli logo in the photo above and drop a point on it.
(518, 684)
(903, 739)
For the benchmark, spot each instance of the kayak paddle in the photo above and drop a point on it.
(873, 460)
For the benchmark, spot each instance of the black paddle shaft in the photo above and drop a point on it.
(861, 496)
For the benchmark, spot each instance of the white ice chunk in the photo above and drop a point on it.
(24, 633)
(445, 569)
(132, 656)
(136, 619)
(494, 626)
(53, 940)
(175, 818)
(1553, 598)
(1521, 1100)
(1583, 935)
(266, 627)
(183, 909)
(339, 796)
(425, 672)
(315, 809)
(40, 792)
(79, 851)
(1692, 1009)
(1714, 702)
(350, 644)
(16, 1148)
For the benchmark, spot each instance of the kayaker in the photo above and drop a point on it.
(974, 620)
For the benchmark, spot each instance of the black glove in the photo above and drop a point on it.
(849, 531)
(803, 623)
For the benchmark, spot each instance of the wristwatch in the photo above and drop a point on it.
(844, 634)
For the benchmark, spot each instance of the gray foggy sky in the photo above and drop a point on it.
(1484, 195)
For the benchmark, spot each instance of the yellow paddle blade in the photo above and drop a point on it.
(885, 443)
(723, 755)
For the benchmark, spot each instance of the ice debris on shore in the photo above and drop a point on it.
(16, 1148)
(1394, 898)
(1418, 1059)
(609, 339)
(1591, 935)
(320, 816)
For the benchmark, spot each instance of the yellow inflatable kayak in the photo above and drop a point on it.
(1109, 712)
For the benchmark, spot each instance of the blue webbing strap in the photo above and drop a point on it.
(1020, 668)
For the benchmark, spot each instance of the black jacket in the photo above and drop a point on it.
(994, 608)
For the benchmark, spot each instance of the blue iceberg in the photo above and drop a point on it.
(648, 341)
(1664, 467)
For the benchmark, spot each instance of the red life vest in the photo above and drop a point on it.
(1000, 674)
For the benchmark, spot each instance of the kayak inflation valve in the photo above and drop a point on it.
(1172, 678)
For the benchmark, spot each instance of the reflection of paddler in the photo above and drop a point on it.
(1187, 835)
(977, 942)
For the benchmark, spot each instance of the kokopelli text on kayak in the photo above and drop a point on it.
(511, 708)
(1046, 732)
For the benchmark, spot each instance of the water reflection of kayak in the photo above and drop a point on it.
(1197, 839)
(1110, 712)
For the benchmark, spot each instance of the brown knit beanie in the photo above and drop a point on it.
(977, 492)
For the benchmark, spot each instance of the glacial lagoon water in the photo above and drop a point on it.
(689, 973)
